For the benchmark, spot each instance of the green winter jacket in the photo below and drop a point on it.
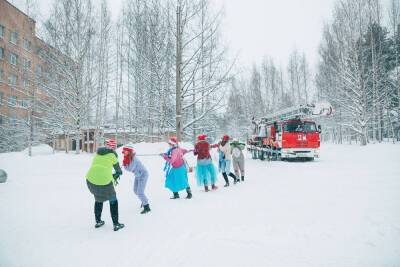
(100, 173)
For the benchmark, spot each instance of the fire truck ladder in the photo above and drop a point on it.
(301, 111)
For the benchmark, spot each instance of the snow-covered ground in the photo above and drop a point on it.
(340, 210)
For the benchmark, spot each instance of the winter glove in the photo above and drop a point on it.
(116, 178)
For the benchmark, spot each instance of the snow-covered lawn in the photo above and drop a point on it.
(340, 210)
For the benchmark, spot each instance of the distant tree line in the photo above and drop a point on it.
(159, 69)
(358, 73)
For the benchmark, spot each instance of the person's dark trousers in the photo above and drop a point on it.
(225, 178)
(114, 211)
(98, 208)
(235, 179)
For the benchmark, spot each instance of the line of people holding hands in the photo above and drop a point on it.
(100, 178)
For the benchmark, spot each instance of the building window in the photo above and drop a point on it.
(14, 37)
(24, 103)
(1, 98)
(12, 101)
(13, 120)
(27, 63)
(47, 75)
(1, 52)
(27, 45)
(38, 70)
(1, 120)
(12, 80)
(1, 75)
(26, 83)
(13, 60)
(1, 31)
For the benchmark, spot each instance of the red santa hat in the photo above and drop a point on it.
(225, 138)
(129, 148)
(111, 143)
(202, 137)
(173, 141)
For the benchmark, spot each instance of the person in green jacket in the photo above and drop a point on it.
(100, 181)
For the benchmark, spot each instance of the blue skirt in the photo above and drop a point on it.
(205, 173)
(177, 179)
(225, 166)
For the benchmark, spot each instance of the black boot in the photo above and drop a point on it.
(226, 179)
(118, 226)
(189, 193)
(114, 215)
(146, 209)
(206, 188)
(98, 208)
(175, 196)
(235, 180)
(242, 178)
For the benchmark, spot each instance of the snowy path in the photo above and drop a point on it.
(342, 210)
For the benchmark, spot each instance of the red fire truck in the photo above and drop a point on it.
(288, 134)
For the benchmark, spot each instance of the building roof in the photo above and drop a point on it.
(18, 10)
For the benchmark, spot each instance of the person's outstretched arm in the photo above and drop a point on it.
(173, 158)
(118, 171)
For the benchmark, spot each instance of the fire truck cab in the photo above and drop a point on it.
(299, 139)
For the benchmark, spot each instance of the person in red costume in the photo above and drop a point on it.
(205, 170)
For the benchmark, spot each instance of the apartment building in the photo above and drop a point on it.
(20, 64)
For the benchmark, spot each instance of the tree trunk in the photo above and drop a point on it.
(54, 143)
(178, 73)
(77, 138)
(364, 135)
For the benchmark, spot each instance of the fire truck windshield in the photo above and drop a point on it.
(299, 126)
(309, 127)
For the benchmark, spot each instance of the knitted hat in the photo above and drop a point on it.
(202, 137)
(129, 148)
(173, 141)
(111, 143)
(225, 138)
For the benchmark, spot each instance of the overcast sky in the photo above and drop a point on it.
(269, 27)
(255, 28)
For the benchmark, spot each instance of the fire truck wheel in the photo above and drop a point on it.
(254, 154)
(261, 155)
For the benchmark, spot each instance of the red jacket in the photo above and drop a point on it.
(202, 150)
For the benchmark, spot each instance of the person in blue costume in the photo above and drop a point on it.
(133, 164)
(175, 169)
(205, 170)
(225, 159)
